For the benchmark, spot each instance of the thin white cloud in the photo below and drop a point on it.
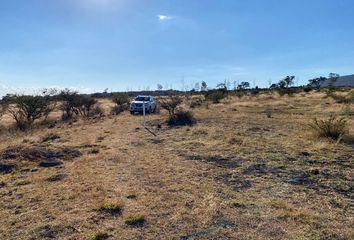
(163, 18)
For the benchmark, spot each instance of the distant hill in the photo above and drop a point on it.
(344, 81)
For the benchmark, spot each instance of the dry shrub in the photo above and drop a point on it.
(74, 104)
(332, 128)
(50, 137)
(170, 104)
(121, 101)
(99, 236)
(135, 221)
(116, 110)
(181, 118)
(196, 103)
(112, 208)
(97, 111)
(25, 109)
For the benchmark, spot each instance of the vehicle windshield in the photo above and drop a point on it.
(141, 99)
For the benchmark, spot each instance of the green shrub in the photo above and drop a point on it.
(332, 128)
(216, 96)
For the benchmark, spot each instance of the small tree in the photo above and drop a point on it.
(274, 86)
(85, 104)
(73, 104)
(333, 77)
(159, 87)
(317, 82)
(177, 116)
(170, 104)
(25, 109)
(70, 103)
(289, 81)
(243, 85)
(222, 87)
(285, 83)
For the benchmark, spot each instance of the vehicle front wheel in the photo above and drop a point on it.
(132, 112)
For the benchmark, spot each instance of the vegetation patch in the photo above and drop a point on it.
(259, 168)
(181, 118)
(99, 236)
(135, 221)
(332, 128)
(39, 153)
(112, 208)
(216, 96)
(238, 204)
(132, 196)
(50, 137)
(227, 162)
(95, 150)
(6, 168)
(121, 101)
(56, 178)
(53, 231)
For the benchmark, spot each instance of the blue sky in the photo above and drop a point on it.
(91, 45)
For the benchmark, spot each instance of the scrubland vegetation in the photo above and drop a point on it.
(243, 164)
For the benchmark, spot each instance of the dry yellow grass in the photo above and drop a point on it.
(236, 174)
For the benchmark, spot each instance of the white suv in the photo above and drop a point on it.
(137, 104)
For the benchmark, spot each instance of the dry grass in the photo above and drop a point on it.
(236, 174)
